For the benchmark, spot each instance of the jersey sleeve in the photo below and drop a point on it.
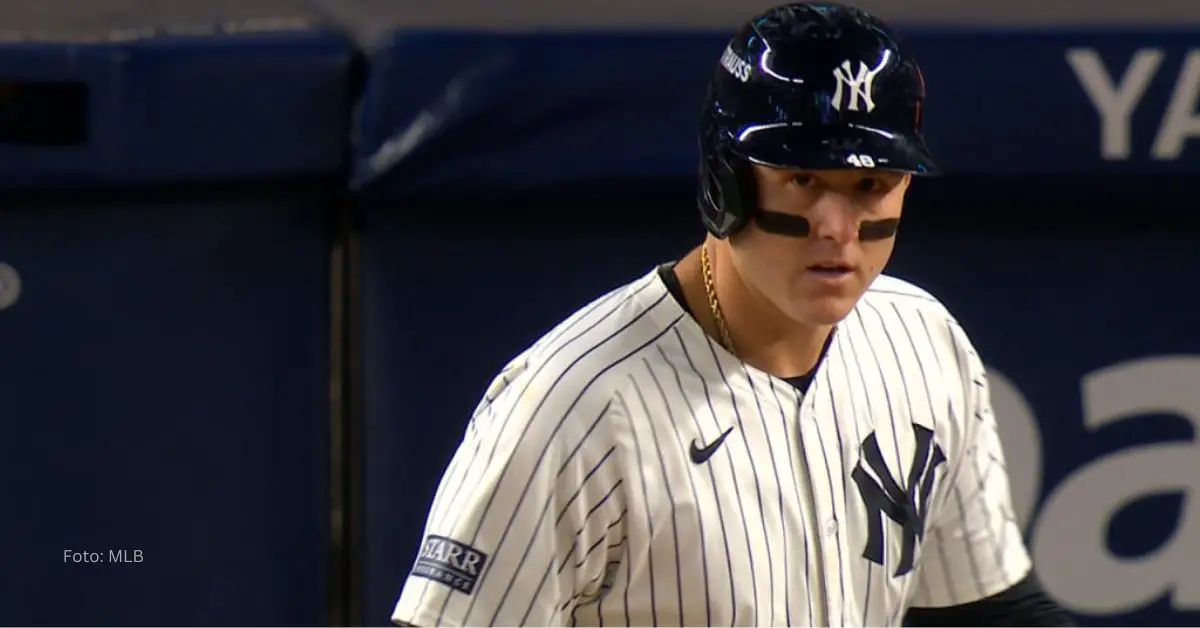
(528, 515)
(974, 549)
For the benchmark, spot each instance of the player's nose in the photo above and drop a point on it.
(833, 217)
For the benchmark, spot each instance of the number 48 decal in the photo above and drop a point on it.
(861, 161)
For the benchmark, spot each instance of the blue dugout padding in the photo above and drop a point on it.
(164, 360)
(191, 104)
(1094, 357)
(528, 110)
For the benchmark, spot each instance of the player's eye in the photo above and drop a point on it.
(868, 184)
(803, 180)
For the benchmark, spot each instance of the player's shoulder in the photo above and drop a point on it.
(911, 316)
(576, 367)
(892, 302)
(901, 303)
(900, 293)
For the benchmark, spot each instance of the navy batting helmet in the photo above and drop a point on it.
(813, 86)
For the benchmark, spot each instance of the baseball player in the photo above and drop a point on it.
(768, 432)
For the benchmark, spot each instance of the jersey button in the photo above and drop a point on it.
(831, 527)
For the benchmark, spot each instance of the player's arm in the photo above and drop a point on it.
(528, 515)
(975, 568)
(1023, 604)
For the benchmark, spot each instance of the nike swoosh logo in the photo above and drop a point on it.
(700, 455)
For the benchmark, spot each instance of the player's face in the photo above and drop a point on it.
(817, 279)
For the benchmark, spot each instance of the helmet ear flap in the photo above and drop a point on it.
(727, 193)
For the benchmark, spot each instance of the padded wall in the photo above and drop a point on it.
(164, 335)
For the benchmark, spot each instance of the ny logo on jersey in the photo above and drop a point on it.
(906, 505)
(855, 86)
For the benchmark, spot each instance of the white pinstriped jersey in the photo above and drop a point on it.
(575, 499)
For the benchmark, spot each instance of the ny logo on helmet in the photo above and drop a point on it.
(856, 86)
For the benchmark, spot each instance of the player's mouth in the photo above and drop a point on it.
(832, 269)
(831, 272)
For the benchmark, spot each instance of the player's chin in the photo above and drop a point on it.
(826, 309)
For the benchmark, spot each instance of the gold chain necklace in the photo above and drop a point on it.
(713, 305)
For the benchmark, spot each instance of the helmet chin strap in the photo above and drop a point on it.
(790, 225)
